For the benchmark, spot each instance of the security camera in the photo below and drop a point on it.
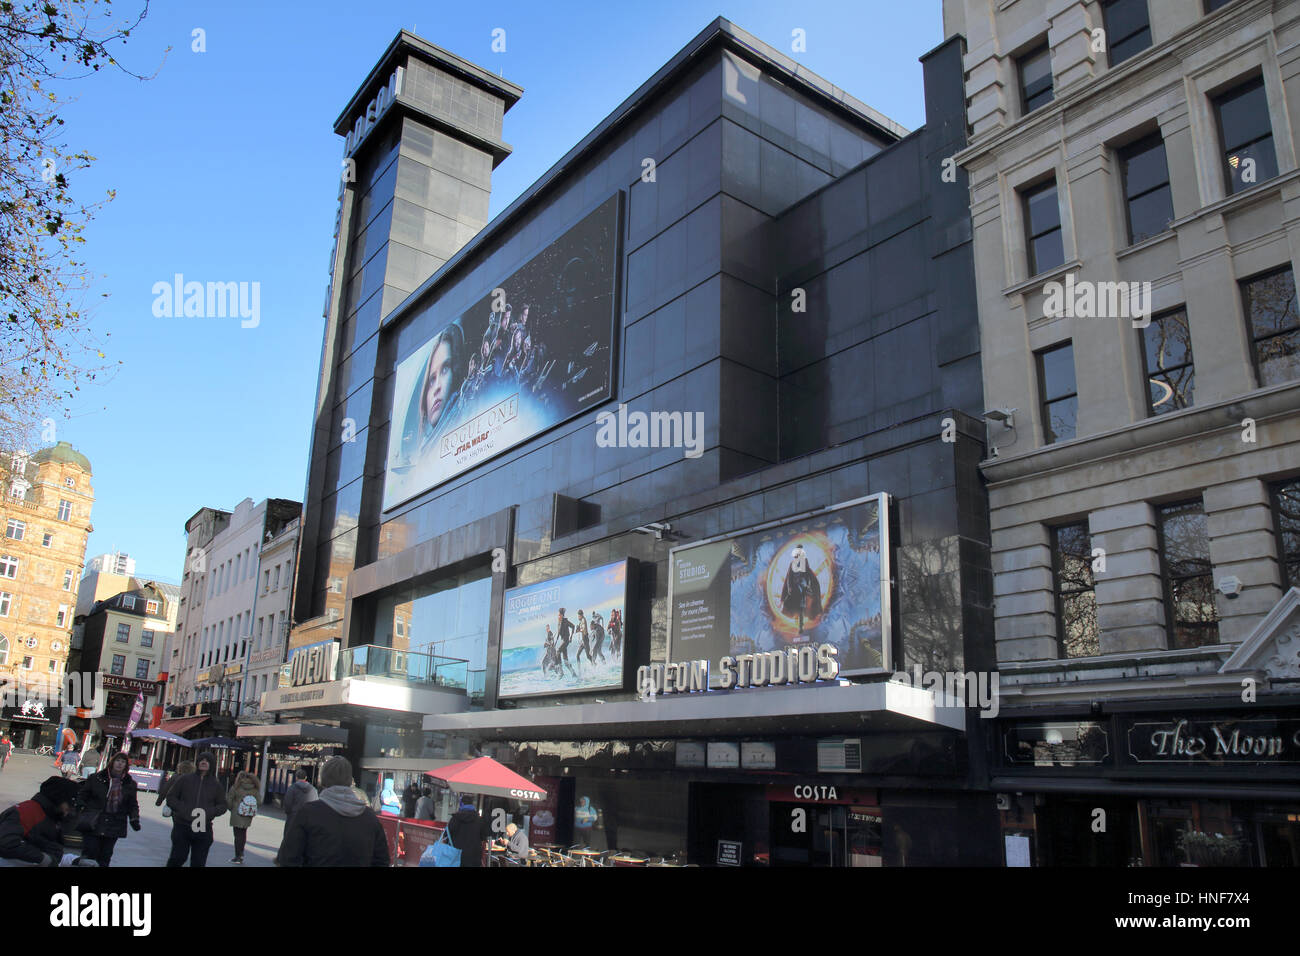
(1007, 416)
(1230, 587)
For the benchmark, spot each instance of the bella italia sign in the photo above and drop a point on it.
(797, 665)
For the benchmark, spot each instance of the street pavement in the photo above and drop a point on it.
(22, 777)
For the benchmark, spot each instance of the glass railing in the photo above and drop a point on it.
(477, 686)
(371, 660)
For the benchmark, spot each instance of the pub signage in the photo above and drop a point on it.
(1215, 740)
(796, 665)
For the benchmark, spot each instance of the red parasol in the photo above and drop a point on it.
(485, 775)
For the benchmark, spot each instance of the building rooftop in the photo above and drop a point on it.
(63, 452)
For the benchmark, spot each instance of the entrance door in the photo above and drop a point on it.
(821, 835)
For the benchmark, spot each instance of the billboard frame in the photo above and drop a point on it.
(883, 515)
(617, 291)
(630, 570)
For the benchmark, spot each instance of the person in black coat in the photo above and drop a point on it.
(337, 828)
(467, 832)
(31, 831)
(197, 797)
(109, 804)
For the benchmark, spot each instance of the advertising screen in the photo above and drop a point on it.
(565, 635)
(533, 352)
(820, 579)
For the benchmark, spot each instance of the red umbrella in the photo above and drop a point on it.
(485, 775)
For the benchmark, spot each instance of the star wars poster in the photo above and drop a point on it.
(817, 580)
(533, 352)
(565, 635)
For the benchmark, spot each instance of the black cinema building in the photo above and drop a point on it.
(646, 487)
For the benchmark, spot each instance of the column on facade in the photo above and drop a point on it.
(1239, 517)
(1130, 594)
(1024, 595)
(1070, 38)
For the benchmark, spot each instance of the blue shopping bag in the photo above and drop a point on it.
(441, 853)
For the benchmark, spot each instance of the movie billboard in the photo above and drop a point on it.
(565, 635)
(819, 579)
(533, 352)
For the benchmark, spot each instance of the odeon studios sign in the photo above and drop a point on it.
(797, 665)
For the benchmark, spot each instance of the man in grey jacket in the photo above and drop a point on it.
(299, 792)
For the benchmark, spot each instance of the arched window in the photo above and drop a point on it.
(4, 649)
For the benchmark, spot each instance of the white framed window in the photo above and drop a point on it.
(15, 529)
(8, 566)
(67, 579)
(4, 649)
(70, 482)
(119, 664)
(31, 642)
(18, 489)
(128, 601)
(61, 619)
(151, 607)
(65, 509)
(47, 540)
(6, 602)
(277, 578)
(146, 638)
(52, 666)
(27, 663)
(56, 646)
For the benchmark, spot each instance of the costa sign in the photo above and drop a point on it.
(795, 665)
(526, 794)
(313, 664)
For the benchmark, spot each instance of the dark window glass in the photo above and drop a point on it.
(1188, 576)
(1212, 5)
(1269, 302)
(1076, 600)
(1128, 28)
(124, 633)
(119, 663)
(142, 670)
(1286, 510)
(1043, 228)
(1247, 135)
(1059, 394)
(1036, 79)
(1147, 196)
(1167, 357)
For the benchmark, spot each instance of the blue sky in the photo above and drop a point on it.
(227, 168)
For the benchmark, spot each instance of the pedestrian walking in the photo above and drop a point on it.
(6, 748)
(31, 831)
(339, 829)
(196, 800)
(245, 795)
(182, 768)
(109, 804)
(300, 792)
(466, 832)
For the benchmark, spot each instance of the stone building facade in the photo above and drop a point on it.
(1134, 186)
(45, 503)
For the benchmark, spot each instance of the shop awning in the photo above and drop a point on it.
(304, 733)
(112, 726)
(484, 775)
(879, 707)
(179, 725)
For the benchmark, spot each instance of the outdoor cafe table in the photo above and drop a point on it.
(627, 861)
(590, 854)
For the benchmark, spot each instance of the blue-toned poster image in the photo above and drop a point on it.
(531, 353)
(818, 580)
(565, 635)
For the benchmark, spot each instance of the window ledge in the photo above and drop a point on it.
(1128, 658)
(1042, 278)
(1243, 198)
(1147, 243)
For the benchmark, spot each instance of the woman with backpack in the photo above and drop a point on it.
(243, 800)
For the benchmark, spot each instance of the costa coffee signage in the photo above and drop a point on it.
(822, 793)
(1215, 740)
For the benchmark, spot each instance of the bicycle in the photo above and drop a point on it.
(45, 751)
